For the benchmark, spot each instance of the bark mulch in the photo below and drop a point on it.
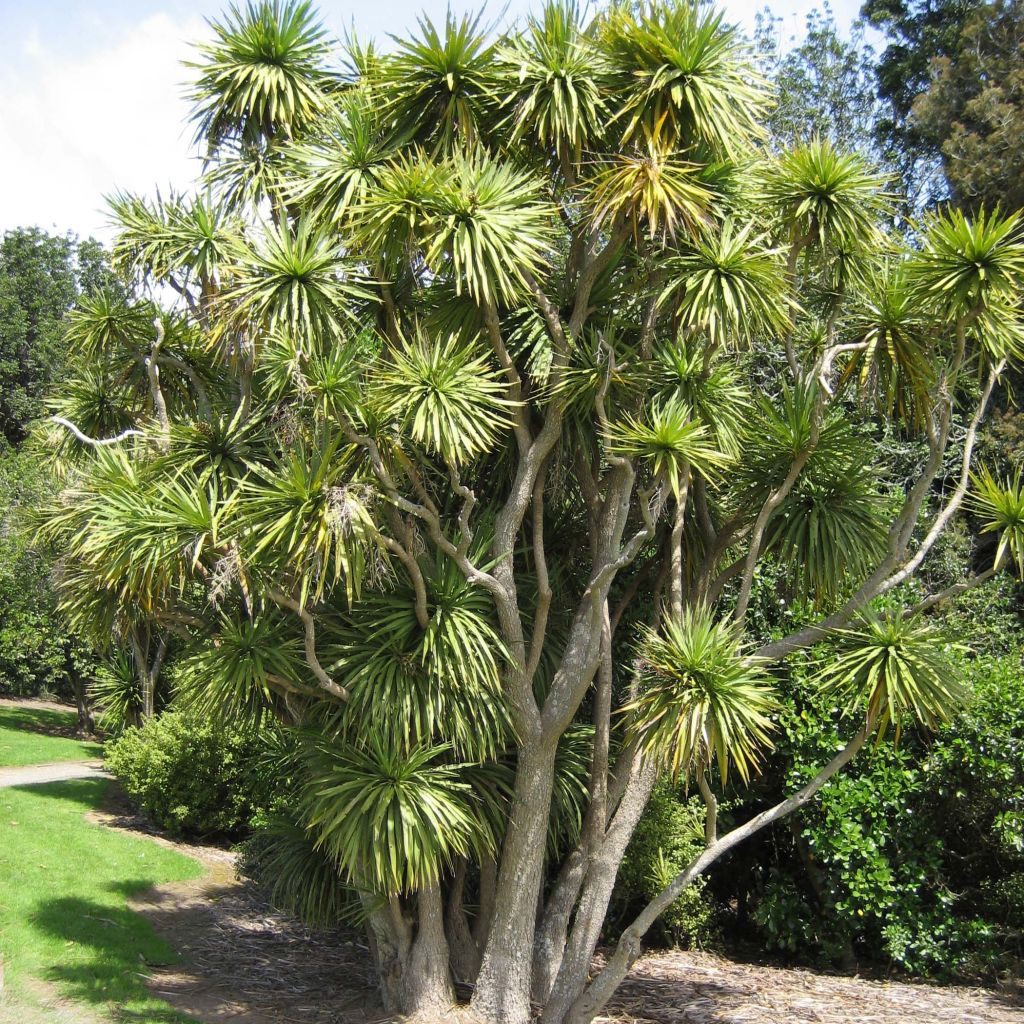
(701, 988)
(245, 963)
(241, 961)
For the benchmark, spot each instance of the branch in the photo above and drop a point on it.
(550, 313)
(430, 515)
(891, 573)
(642, 575)
(956, 589)
(202, 399)
(604, 984)
(515, 382)
(95, 442)
(183, 291)
(540, 617)
(774, 500)
(589, 275)
(714, 588)
(651, 504)
(651, 315)
(325, 681)
(468, 496)
(711, 813)
(158, 658)
(405, 556)
(676, 543)
(825, 368)
(597, 812)
(153, 372)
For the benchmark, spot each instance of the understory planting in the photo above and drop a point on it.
(452, 423)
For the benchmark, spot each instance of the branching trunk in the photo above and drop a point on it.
(147, 672)
(596, 894)
(464, 952)
(429, 993)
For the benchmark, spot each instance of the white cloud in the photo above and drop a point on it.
(76, 129)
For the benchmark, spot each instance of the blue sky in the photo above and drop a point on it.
(90, 93)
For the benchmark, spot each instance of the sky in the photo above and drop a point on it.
(91, 94)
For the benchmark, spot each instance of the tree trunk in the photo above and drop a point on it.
(86, 725)
(601, 988)
(553, 928)
(465, 953)
(390, 940)
(148, 695)
(412, 963)
(485, 912)
(502, 993)
(429, 994)
(596, 894)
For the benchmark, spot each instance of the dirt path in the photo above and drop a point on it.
(244, 963)
(61, 771)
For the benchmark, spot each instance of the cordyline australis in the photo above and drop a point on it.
(498, 366)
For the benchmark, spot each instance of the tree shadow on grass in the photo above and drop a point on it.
(111, 951)
(89, 792)
(41, 720)
(47, 722)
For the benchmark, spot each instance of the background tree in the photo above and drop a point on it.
(917, 33)
(41, 276)
(824, 86)
(464, 465)
(38, 653)
(972, 110)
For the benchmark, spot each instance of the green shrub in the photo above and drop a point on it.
(669, 836)
(192, 777)
(915, 855)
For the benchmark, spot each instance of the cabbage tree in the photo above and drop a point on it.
(500, 367)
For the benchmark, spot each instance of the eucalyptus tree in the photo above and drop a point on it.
(484, 405)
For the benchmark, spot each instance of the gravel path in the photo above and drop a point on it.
(35, 774)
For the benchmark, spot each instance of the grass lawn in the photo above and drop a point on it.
(64, 918)
(26, 737)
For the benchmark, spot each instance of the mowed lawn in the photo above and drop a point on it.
(26, 737)
(72, 950)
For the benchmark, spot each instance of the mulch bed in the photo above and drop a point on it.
(257, 966)
(701, 988)
(245, 962)
(248, 964)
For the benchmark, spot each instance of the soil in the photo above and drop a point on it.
(246, 964)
